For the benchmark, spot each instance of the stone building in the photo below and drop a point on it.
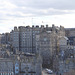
(31, 65)
(23, 38)
(15, 39)
(63, 43)
(35, 39)
(45, 45)
(70, 33)
(38, 39)
(21, 64)
(5, 38)
(48, 42)
(2, 38)
(6, 66)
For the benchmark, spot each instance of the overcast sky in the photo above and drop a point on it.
(28, 12)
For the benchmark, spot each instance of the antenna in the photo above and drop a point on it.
(23, 23)
(42, 22)
(32, 21)
(32, 35)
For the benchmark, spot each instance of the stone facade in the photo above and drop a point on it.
(5, 38)
(23, 38)
(15, 39)
(70, 33)
(23, 64)
(31, 65)
(6, 66)
(63, 41)
(45, 40)
(44, 47)
(48, 43)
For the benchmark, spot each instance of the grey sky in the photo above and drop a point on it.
(46, 4)
(42, 7)
(14, 12)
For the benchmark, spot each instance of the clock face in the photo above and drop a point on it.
(45, 39)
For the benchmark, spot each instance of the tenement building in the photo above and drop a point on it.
(5, 38)
(23, 64)
(48, 43)
(45, 40)
(23, 38)
(70, 33)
